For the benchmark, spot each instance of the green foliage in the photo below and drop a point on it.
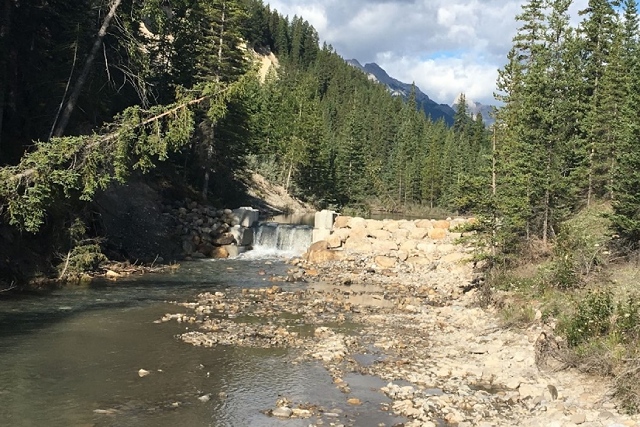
(80, 166)
(83, 258)
(592, 318)
(581, 247)
(597, 315)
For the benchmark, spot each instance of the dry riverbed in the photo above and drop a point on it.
(443, 361)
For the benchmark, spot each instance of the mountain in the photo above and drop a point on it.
(477, 108)
(397, 88)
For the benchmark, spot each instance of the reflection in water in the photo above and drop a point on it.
(71, 358)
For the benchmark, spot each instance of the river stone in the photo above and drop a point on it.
(453, 258)
(401, 234)
(224, 239)
(407, 225)
(342, 233)
(358, 246)
(219, 252)
(385, 261)
(427, 248)
(358, 233)
(282, 412)
(302, 413)
(318, 246)
(579, 418)
(529, 390)
(188, 247)
(419, 260)
(391, 226)
(322, 256)
(205, 248)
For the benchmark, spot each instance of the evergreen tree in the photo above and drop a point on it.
(626, 216)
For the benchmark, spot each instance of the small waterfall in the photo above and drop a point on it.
(281, 239)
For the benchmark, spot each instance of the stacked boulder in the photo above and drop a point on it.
(390, 242)
(207, 232)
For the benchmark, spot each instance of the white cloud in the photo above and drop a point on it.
(444, 46)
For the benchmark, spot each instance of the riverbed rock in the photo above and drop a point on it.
(219, 252)
(385, 261)
(282, 412)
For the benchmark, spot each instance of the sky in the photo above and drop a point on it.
(446, 47)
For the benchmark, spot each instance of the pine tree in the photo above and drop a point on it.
(626, 216)
(598, 30)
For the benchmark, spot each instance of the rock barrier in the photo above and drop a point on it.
(392, 242)
(207, 232)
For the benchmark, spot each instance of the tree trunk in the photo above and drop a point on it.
(221, 40)
(82, 79)
(547, 198)
(5, 29)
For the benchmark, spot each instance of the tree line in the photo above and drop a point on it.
(95, 90)
(567, 135)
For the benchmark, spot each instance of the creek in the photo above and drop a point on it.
(70, 357)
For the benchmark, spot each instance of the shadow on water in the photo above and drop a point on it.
(28, 311)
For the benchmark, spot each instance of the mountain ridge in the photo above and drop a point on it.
(397, 88)
(431, 108)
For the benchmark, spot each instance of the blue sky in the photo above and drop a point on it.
(444, 46)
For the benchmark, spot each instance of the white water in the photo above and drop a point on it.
(280, 240)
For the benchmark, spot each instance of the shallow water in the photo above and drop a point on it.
(71, 358)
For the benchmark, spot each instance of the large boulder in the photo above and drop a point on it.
(373, 224)
(320, 253)
(357, 222)
(438, 233)
(341, 222)
(362, 246)
(379, 234)
(383, 246)
(442, 224)
(424, 223)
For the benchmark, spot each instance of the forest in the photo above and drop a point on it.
(94, 92)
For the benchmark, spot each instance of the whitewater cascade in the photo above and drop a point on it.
(288, 239)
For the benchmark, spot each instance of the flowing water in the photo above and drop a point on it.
(71, 357)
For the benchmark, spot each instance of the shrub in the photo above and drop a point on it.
(592, 318)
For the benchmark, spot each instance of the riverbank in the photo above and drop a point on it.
(417, 326)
